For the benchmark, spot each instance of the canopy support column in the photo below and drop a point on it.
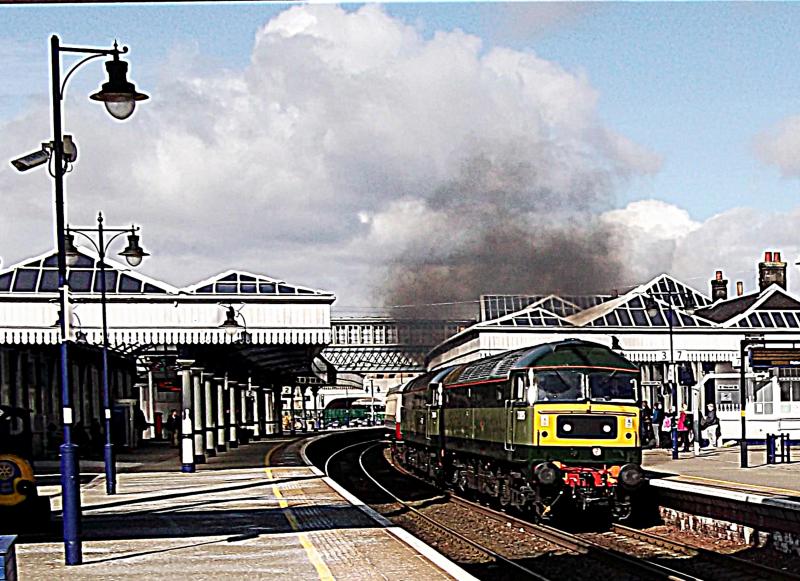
(222, 440)
(210, 416)
(198, 416)
(233, 426)
(187, 418)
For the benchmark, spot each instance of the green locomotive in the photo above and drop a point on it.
(527, 428)
(21, 508)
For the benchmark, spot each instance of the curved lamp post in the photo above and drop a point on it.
(232, 326)
(652, 310)
(134, 254)
(120, 97)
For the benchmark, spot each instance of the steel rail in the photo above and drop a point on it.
(571, 542)
(448, 530)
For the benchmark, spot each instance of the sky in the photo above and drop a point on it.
(327, 145)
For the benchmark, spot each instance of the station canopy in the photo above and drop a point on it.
(282, 326)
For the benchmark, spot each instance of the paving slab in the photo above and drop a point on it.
(720, 467)
(229, 522)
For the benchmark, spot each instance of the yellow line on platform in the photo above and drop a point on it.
(323, 571)
(740, 485)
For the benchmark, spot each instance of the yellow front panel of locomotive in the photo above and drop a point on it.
(12, 470)
(545, 416)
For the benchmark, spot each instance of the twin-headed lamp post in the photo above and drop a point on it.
(134, 254)
(120, 97)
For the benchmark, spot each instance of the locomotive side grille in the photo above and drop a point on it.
(586, 427)
(478, 372)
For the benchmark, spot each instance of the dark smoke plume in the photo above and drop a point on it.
(512, 233)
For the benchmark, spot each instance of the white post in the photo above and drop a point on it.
(150, 409)
(256, 423)
(243, 408)
(222, 440)
(210, 416)
(233, 424)
(198, 416)
(187, 439)
(269, 413)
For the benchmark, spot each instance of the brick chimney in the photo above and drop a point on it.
(771, 271)
(719, 287)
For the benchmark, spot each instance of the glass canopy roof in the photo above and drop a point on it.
(41, 276)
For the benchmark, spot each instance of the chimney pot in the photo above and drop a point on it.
(719, 287)
(739, 288)
(771, 271)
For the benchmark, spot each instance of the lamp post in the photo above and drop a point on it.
(652, 311)
(134, 254)
(371, 403)
(119, 97)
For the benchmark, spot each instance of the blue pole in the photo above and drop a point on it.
(673, 384)
(70, 469)
(108, 449)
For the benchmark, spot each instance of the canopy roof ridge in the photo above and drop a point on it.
(527, 311)
(235, 277)
(128, 270)
(764, 296)
(47, 263)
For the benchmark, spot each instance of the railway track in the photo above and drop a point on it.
(639, 552)
(362, 447)
(550, 553)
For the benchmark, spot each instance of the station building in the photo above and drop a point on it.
(233, 341)
(706, 334)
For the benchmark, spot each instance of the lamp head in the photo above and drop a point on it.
(134, 253)
(118, 94)
(230, 325)
(70, 250)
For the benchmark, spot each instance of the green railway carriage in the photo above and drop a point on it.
(528, 427)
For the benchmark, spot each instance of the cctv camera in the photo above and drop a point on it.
(31, 160)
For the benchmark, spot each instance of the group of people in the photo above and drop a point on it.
(657, 424)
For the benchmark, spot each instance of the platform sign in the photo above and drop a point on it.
(774, 357)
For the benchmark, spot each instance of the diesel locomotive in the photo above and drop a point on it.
(21, 508)
(533, 429)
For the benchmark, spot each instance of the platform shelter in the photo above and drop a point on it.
(222, 349)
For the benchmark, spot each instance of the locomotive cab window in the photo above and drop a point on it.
(564, 385)
(612, 386)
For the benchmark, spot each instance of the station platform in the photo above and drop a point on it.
(251, 513)
(720, 468)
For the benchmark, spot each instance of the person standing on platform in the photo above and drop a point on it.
(710, 426)
(173, 428)
(666, 428)
(658, 417)
(683, 430)
(646, 424)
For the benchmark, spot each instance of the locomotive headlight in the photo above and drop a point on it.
(567, 427)
(606, 428)
(546, 473)
(597, 451)
(628, 422)
(631, 476)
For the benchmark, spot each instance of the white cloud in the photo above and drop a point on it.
(340, 115)
(780, 146)
(660, 237)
